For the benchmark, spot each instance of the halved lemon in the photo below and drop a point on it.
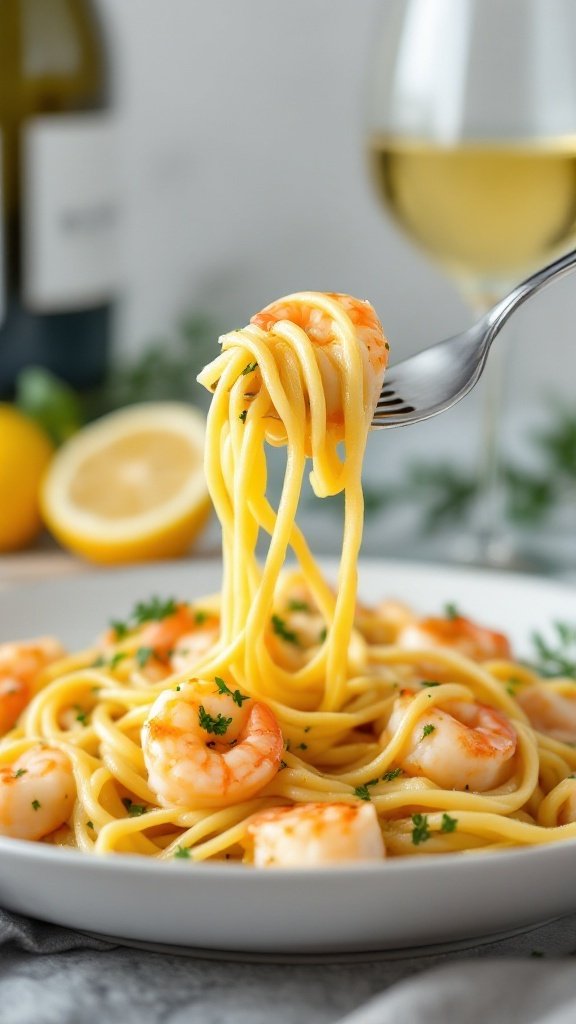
(131, 486)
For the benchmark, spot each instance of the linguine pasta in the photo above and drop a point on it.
(333, 674)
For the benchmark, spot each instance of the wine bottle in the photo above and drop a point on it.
(58, 190)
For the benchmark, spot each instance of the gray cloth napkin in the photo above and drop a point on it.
(78, 979)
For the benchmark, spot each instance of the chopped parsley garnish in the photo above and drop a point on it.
(121, 629)
(448, 824)
(116, 659)
(237, 697)
(154, 610)
(302, 746)
(559, 658)
(89, 824)
(99, 662)
(143, 655)
(282, 765)
(217, 725)
(249, 369)
(427, 730)
(362, 791)
(392, 774)
(420, 831)
(82, 715)
(323, 635)
(281, 630)
(429, 682)
(295, 605)
(182, 852)
(200, 617)
(134, 810)
(451, 611)
(386, 346)
(36, 804)
(243, 415)
(178, 688)
(21, 771)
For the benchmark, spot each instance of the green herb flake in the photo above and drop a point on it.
(427, 730)
(429, 682)
(420, 831)
(82, 715)
(90, 824)
(134, 810)
(143, 655)
(243, 415)
(302, 746)
(223, 687)
(448, 824)
(249, 369)
(362, 792)
(280, 629)
(182, 853)
(99, 662)
(121, 629)
(556, 658)
(36, 805)
(451, 611)
(393, 773)
(154, 610)
(116, 659)
(322, 636)
(295, 605)
(218, 725)
(20, 772)
(200, 617)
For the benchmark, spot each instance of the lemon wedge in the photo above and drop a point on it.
(24, 454)
(131, 486)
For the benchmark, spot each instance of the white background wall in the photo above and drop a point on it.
(242, 131)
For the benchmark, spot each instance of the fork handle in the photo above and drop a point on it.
(498, 315)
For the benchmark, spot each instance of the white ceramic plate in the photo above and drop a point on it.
(395, 905)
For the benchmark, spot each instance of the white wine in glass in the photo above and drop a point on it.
(472, 147)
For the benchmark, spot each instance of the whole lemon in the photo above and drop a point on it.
(25, 452)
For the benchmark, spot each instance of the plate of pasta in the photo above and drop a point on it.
(277, 755)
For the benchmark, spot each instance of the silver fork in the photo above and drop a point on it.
(435, 379)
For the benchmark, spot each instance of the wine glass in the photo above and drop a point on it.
(472, 145)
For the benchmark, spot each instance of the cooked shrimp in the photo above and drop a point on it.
(202, 750)
(36, 793)
(549, 712)
(20, 665)
(310, 834)
(461, 746)
(456, 632)
(163, 635)
(194, 645)
(321, 326)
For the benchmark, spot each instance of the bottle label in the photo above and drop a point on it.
(70, 212)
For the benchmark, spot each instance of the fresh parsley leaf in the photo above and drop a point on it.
(427, 730)
(323, 635)
(116, 659)
(21, 771)
(134, 810)
(391, 774)
(121, 629)
(143, 655)
(249, 368)
(302, 746)
(36, 804)
(182, 852)
(362, 792)
(154, 610)
(217, 726)
(281, 630)
(559, 658)
(451, 611)
(200, 617)
(294, 605)
(420, 831)
(237, 697)
(82, 715)
(243, 415)
(90, 824)
(429, 682)
(448, 824)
